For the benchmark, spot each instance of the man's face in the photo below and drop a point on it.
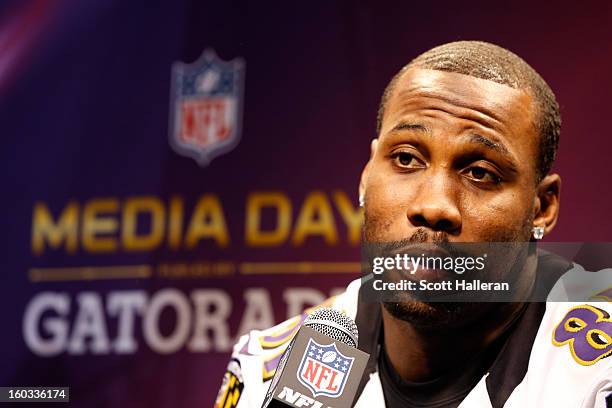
(455, 161)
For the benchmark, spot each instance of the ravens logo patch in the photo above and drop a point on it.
(231, 387)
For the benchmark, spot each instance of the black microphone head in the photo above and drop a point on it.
(334, 324)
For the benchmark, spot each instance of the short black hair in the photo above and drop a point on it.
(491, 62)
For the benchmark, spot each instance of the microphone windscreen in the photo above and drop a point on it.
(334, 324)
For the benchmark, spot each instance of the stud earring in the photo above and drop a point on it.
(538, 232)
(361, 200)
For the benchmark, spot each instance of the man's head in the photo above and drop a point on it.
(467, 133)
(488, 61)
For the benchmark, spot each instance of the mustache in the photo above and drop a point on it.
(420, 236)
(438, 239)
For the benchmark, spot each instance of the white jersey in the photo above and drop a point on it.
(555, 357)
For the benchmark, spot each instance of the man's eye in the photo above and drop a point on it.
(406, 160)
(483, 175)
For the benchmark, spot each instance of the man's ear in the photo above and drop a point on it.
(364, 172)
(546, 208)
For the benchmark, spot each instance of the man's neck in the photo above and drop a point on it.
(424, 353)
(419, 354)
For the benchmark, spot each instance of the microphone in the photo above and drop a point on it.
(321, 366)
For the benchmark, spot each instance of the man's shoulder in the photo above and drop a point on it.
(577, 325)
(580, 330)
(270, 343)
(256, 355)
(570, 360)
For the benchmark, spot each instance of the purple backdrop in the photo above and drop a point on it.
(84, 102)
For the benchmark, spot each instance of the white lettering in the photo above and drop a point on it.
(154, 338)
(89, 323)
(55, 326)
(125, 305)
(289, 395)
(199, 320)
(258, 312)
(212, 310)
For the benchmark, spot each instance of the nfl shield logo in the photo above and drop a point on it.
(324, 369)
(206, 106)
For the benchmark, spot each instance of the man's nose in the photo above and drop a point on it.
(434, 205)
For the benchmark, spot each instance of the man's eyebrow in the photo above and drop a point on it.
(473, 138)
(410, 126)
(490, 144)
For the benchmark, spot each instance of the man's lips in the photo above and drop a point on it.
(421, 250)
(430, 275)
